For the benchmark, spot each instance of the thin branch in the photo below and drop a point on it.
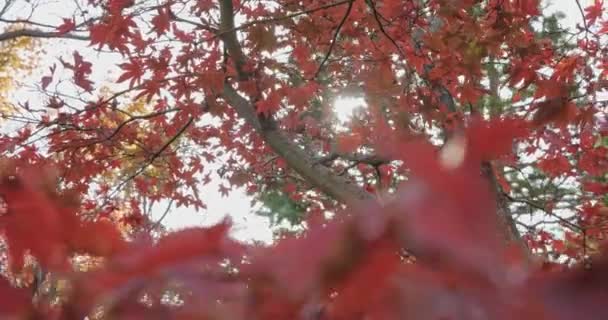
(154, 156)
(285, 17)
(6, 6)
(372, 6)
(134, 118)
(162, 217)
(542, 208)
(371, 159)
(25, 21)
(194, 23)
(39, 34)
(335, 38)
(580, 8)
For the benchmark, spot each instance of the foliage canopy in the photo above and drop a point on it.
(472, 185)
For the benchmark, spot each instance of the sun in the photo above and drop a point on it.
(345, 107)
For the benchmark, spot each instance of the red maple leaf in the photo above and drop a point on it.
(594, 12)
(82, 69)
(161, 21)
(349, 142)
(36, 222)
(150, 89)
(116, 6)
(224, 191)
(489, 140)
(15, 302)
(557, 110)
(269, 105)
(555, 166)
(134, 70)
(67, 26)
(46, 80)
(113, 31)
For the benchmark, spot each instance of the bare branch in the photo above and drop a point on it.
(6, 6)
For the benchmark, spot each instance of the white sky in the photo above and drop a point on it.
(248, 226)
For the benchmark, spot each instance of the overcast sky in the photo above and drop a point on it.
(247, 225)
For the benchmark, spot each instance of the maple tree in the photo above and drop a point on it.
(471, 186)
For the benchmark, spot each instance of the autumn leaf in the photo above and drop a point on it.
(112, 32)
(349, 142)
(133, 70)
(269, 105)
(15, 302)
(162, 20)
(489, 140)
(224, 191)
(81, 69)
(263, 37)
(555, 166)
(594, 11)
(45, 81)
(67, 26)
(555, 111)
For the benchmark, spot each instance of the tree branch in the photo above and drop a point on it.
(162, 217)
(335, 38)
(321, 177)
(507, 224)
(339, 188)
(231, 42)
(10, 35)
(371, 159)
(279, 18)
(155, 155)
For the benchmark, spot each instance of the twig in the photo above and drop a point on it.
(372, 6)
(542, 208)
(335, 38)
(39, 34)
(580, 8)
(162, 217)
(154, 156)
(285, 17)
